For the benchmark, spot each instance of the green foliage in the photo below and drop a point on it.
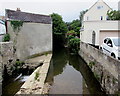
(73, 44)
(59, 30)
(113, 15)
(19, 63)
(73, 41)
(16, 25)
(59, 26)
(74, 26)
(37, 74)
(6, 38)
(72, 32)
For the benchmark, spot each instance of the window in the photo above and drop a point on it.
(105, 41)
(93, 37)
(101, 17)
(99, 7)
(87, 18)
(109, 43)
(107, 18)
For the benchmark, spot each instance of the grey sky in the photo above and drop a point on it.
(69, 9)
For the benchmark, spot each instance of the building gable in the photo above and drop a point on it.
(97, 12)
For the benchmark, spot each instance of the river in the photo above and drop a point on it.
(69, 74)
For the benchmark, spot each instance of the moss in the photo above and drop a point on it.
(97, 76)
(114, 80)
(91, 64)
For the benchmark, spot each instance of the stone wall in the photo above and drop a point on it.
(7, 56)
(105, 68)
(33, 38)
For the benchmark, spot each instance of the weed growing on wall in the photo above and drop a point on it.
(16, 25)
(36, 76)
(6, 38)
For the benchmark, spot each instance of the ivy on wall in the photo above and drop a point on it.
(16, 25)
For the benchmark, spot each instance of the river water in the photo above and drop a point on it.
(11, 86)
(69, 74)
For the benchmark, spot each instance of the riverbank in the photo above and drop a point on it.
(105, 68)
(35, 82)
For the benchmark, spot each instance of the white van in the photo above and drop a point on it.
(111, 47)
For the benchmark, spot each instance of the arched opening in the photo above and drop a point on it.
(93, 37)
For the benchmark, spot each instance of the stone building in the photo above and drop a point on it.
(33, 36)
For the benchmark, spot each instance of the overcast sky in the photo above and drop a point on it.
(68, 9)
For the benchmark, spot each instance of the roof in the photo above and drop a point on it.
(27, 17)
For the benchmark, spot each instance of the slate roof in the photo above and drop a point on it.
(28, 17)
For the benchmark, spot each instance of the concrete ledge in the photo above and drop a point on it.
(35, 83)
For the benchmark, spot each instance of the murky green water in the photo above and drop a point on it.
(69, 74)
(11, 86)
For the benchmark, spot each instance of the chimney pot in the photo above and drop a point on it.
(18, 9)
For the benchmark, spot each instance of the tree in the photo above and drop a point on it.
(74, 25)
(113, 15)
(59, 30)
(73, 41)
(81, 15)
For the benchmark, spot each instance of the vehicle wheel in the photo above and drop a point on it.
(113, 55)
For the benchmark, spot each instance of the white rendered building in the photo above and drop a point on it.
(95, 26)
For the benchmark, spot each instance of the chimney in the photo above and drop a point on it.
(18, 9)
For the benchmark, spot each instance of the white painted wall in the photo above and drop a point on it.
(90, 26)
(92, 22)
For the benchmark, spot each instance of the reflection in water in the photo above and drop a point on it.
(69, 74)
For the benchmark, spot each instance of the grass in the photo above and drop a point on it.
(37, 74)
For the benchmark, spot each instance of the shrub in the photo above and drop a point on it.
(73, 44)
(6, 38)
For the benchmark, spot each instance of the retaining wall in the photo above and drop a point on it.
(35, 85)
(7, 56)
(105, 68)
